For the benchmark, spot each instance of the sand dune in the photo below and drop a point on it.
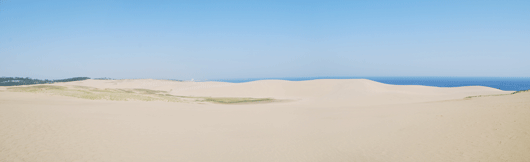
(347, 92)
(324, 120)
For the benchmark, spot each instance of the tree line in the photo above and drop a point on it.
(13, 81)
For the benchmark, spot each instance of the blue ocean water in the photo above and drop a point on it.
(503, 83)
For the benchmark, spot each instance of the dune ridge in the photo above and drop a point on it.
(349, 92)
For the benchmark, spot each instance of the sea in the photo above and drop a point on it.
(502, 83)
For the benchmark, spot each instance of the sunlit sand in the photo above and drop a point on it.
(269, 120)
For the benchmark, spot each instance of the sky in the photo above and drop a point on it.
(249, 39)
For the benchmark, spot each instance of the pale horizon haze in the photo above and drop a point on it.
(241, 39)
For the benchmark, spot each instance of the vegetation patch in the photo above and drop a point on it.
(468, 97)
(148, 91)
(128, 94)
(13, 81)
(38, 88)
(225, 100)
(86, 93)
(521, 91)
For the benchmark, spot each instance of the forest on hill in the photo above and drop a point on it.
(13, 81)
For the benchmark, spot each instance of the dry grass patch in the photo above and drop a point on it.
(128, 94)
(225, 100)
(522, 91)
(528, 90)
(87, 93)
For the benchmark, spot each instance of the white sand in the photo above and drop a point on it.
(325, 120)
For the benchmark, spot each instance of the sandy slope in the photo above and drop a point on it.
(326, 120)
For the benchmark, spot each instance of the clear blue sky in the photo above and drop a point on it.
(242, 39)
